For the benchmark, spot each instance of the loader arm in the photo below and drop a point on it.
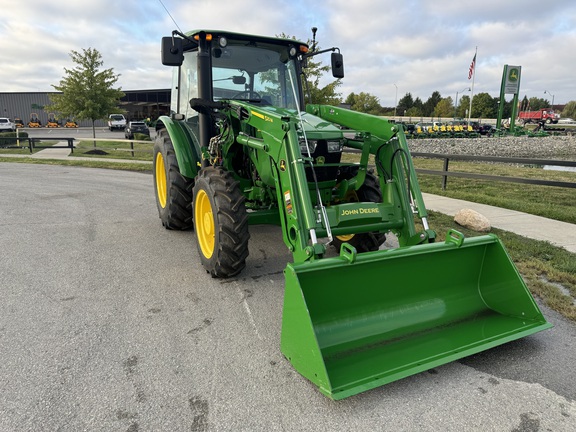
(393, 161)
(277, 141)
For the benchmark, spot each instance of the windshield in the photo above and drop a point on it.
(259, 73)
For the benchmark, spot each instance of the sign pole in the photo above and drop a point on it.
(502, 99)
(510, 85)
(472, 88)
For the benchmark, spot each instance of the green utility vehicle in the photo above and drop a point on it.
(240, 147)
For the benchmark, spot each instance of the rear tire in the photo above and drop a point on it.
(364, 242)
(173, 191)
(221, 222)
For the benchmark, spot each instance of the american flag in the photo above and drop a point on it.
(471, 69)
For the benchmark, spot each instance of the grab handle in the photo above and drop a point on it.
(454, 237)
(348, 252)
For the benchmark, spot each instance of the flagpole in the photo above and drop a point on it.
(472, 88)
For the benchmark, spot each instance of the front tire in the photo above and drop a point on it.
(364, 242)
(221, 222)
(173, 191)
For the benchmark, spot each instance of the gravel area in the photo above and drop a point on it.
(552, 147)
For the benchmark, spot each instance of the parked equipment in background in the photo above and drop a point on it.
(34, 121)
(52, 121)
(70, 124)
(241, 149)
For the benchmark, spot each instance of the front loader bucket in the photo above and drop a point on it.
(356, 322)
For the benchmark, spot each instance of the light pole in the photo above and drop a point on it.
(456, 103)
(546, 91)
(395, 101)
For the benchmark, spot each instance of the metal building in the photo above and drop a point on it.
(137, 105)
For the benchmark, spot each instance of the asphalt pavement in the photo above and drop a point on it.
(108, 322)
(558, 233)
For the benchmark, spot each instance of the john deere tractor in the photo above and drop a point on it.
(241, 148)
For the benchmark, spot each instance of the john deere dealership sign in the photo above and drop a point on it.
(512, 80)
(510, 85)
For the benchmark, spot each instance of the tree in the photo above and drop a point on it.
(86, 92)
(524, 104)
(326, 95)
(313, 72)
(414, 112)
(463, 107)
(484, 106)
(535, 103)
(569, 110)
(444, 108)
(364, 102)
(431, 103)
(405, 103)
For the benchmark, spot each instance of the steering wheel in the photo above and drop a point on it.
(247, 94)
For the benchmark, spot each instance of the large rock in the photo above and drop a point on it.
(473, 220)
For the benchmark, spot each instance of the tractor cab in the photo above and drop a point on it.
(215, 66)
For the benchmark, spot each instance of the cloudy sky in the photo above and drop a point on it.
(390, 47)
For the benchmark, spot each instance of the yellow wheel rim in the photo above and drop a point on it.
(204, 222)
(345, 238)
(160, 180)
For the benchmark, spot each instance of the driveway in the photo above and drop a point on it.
(108, 322)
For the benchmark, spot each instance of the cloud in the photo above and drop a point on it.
(414, 46)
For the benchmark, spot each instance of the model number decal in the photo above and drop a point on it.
(261, 116)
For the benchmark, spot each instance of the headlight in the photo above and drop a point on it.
(335, 146)
(311, 145)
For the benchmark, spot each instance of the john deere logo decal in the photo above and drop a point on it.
(282, 165)
(513, 75)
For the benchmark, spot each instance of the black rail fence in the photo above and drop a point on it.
(445, 173)
(13, 142)
(33, 143)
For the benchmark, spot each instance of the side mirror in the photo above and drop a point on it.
(337, 65)
(172, 51)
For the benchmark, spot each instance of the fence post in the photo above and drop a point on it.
(71, 144)
(132, 147)
(31, 144)
(445, 177)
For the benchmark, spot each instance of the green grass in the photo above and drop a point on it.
(114, 150)
(128, 166)
(547, 201)
(15, 151)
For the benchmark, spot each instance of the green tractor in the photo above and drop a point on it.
(241, 148)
